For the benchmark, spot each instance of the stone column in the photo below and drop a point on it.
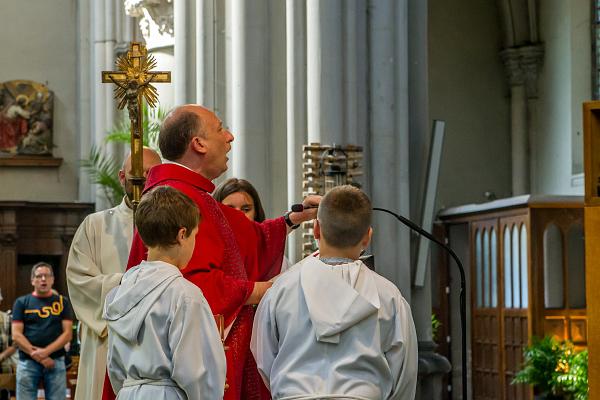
(296, 109)
(388, 155)
(103, 58)
(205, 53)
(522, 64)
(250, 94)
(324, 65)
(184, 51)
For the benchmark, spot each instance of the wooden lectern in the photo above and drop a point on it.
(591, 145)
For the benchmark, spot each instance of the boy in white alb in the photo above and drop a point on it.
(332, 328)
(163, 342)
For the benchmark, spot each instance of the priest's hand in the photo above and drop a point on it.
(260, 288)
(311, 205)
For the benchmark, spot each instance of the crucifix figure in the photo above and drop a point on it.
(134, 84)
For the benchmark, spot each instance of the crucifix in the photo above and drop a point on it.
(134, 80)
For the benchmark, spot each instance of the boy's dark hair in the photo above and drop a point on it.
(234, 185)
(162, 212)
(177, 131)
(344, 216)
(40, 265)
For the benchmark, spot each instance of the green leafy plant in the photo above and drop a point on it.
(575, 380)
(435, 326)
(554, 369)
(103, 170)
(99, 165)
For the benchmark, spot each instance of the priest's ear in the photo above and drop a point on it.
(198, 145)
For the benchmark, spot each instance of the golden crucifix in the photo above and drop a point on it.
(134, 84)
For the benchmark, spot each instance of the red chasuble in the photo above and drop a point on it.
(231, 254)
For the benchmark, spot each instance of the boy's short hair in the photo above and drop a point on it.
(162, 212)
(344, 216)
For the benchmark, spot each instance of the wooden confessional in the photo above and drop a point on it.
(31, 232)
(526, 277)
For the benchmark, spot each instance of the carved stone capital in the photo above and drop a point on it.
(160, 12)
(8, 239)
(522, 66)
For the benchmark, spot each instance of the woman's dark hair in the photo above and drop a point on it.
(234, 185)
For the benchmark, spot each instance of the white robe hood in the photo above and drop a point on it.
(141, 286)
(334, 303)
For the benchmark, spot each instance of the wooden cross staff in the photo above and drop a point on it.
(134, 84)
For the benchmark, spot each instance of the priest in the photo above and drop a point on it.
(233, 258)
(96, 262)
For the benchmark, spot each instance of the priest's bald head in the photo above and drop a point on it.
(194, 136)
(150, 159)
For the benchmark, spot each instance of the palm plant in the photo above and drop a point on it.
(103, 170)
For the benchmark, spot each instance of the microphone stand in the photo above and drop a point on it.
(463, 284)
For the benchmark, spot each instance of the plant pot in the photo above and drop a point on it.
(545, 396)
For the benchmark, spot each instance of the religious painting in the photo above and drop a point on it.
(26, 109)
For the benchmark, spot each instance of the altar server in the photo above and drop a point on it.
(163, 342)
(332, 328)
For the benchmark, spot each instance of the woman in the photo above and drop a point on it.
(241, 195)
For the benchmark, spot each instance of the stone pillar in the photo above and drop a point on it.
(296, 109)
(184, 51)
(324, 65)
(205, 53)
(103, 58)
(522, 64)
(388, 147)
(250, 94)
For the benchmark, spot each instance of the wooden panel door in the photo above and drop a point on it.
(515, 300)
(486, 338)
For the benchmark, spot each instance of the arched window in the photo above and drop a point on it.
(553, 268)
(494, 263)
(576, 266)
(478, 269)
(524, 268)
(516, 267)
(486, 268)
(508, 303)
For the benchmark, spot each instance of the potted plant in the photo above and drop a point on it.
(575, 379)
(544, 361)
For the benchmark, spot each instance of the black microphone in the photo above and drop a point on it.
(300, 207)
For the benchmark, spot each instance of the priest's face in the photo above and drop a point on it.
(215, 143)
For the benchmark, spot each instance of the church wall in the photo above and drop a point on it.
(564, 83)
(39, 42)
(468, 90)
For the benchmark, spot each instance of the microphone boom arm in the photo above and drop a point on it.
(463, 284)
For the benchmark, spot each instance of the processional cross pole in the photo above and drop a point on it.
(134, 80)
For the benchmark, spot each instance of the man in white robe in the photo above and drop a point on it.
(163, 341)
(332, 328)
(96, 262)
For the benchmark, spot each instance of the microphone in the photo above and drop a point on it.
(300, 207)
(463, 284)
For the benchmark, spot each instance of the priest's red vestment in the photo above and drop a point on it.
(231, 253)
